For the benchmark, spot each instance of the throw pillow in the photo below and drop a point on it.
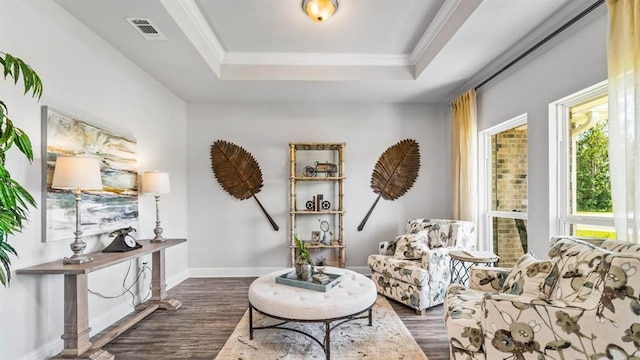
(411, 246)
(531, 277)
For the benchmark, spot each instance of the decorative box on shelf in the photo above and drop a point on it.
(291, 279)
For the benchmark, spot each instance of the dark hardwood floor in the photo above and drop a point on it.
(211, 309)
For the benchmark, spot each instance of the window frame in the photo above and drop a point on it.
(559, 161)
(484, 197)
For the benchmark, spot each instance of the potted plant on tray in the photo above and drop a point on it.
(14, 198)
(304, 265)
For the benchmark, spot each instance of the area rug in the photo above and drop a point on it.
(388, 338)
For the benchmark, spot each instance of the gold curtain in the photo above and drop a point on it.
(464, 119)
(623, 57)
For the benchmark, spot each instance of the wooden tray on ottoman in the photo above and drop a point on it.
(291, 279)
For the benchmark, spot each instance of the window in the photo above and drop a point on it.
(504, 189)
(583, 196)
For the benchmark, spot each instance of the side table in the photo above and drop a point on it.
(463, 260)
(77, 343)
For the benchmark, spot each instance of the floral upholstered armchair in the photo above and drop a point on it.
(414, 268)
(580, 303)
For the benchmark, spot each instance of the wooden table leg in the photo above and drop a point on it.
(159, 284)
(76, 315)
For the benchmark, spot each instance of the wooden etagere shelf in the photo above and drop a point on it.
(305, 175)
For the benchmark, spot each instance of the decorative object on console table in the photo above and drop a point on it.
(123, 241)
(238, 172)
(77, 173)
(395, 172)
(157, 183)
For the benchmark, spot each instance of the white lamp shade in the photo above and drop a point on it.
(155, 182)
(77, 172)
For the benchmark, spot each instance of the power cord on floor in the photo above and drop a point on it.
(127, 289)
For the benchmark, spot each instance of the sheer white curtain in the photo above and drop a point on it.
(623, 56)
(464, 124)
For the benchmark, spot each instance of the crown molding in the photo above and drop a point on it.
(318, 59)
(445, 24)
(195, 27)
(442, 17)
(190, 19)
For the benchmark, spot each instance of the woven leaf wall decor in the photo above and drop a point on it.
(395, 172)
(238, 172)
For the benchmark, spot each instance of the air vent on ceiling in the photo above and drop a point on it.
(146, 28)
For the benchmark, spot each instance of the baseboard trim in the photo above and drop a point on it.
(177, 278)
(47, 351)
(230, 272)
(251, 272)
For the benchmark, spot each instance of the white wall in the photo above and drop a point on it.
(233, 237)
(571, 62)
(84, 76)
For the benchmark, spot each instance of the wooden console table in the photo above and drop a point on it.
(76, 337)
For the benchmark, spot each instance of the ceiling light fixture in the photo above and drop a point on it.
(319, 10)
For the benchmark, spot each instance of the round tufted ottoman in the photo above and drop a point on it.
(354, 296)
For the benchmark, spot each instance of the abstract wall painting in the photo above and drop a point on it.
(116, 205)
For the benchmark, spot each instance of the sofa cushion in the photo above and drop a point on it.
(411, 246)
(463, 317)
(387, 247)
(531, 277)
(401, 269)
(444, 233)
(620, 246)
(577, 261)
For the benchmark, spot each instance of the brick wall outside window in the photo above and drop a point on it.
(509, 192)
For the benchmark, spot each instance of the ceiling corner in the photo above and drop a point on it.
(447, 21)
(195, 27)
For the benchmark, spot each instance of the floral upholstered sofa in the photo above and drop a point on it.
(580, 303)
(414, 268)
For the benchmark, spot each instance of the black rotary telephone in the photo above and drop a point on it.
(123, 241)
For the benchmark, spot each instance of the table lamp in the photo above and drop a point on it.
(77, 173)
(157, 183)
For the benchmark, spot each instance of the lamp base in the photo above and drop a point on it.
(77, 259)
(158, 231)
(158, 239)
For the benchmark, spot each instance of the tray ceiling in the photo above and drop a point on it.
(369, 51)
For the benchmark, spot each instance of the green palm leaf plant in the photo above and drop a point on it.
(303, 258)
(14, 198)
(303, 252)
